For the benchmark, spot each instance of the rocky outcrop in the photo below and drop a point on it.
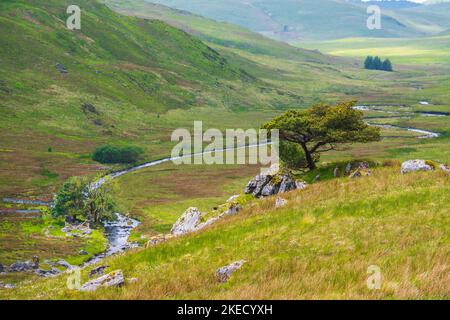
(27, 266)
(224, 273)
(415, 165)
(113, 279)
(271, 183)
(193, 220)
(188, 222)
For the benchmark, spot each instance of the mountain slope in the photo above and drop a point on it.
(319, 246)
(130, 70)
(316, 19)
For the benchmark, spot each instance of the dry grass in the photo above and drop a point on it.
(319, 246)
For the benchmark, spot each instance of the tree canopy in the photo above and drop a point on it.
(323, 128)
(77, 198)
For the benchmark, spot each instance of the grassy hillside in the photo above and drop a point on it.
(319, 246)
(325, 19)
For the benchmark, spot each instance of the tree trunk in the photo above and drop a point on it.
(309, 158)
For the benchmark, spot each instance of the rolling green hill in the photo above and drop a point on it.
(318, 19)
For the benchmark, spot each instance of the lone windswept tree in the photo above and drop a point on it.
(323, 128)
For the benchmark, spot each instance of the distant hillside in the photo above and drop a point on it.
(213, 31)
(317, 19)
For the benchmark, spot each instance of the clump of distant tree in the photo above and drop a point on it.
(114, 154)
(80, 199)
(375, 63)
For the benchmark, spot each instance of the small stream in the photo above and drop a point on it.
(117, 233)
(425, 134)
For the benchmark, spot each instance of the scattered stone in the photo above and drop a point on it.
(89, 108)
(300, 185)
(7, 286)
(188, 222)
(280, 202)
(53, 272)
(360, 173)
(233, 209)
(317, 178)
(113, 279)
(224, 273)
(98, 271)
(348, 168)
(61, 69)
(415, 165)
(336, 172)
(444, 168)
(63, 263)
(26, 266)
(83, 252)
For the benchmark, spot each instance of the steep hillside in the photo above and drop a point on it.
(319, 246)
(115, 81)
(311, 19)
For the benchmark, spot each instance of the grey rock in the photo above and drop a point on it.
(257, 184)
(300, 185)
(415, 165)
(64, 264)
(224, 273)
(444, 168)
(98, 271)
(336, 172)
(188, 222)
(348, 168)
(280, 202)
(7, 286)
(26, 266)
(61, 68)
(113, 279)
(270, 183)
(2, 268)
(317, 178)
(83, 253)
(53, 272)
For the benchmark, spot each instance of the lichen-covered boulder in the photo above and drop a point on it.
(416, 165)
(270, 183)
(224, 273)
(113, 279)
(188, 222)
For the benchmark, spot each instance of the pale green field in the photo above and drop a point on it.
(430, 50)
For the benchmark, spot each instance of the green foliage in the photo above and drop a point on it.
(113, 154)
(77, 198)
(375, 63)
(69, 201)
(323, 128)
(291, 155)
